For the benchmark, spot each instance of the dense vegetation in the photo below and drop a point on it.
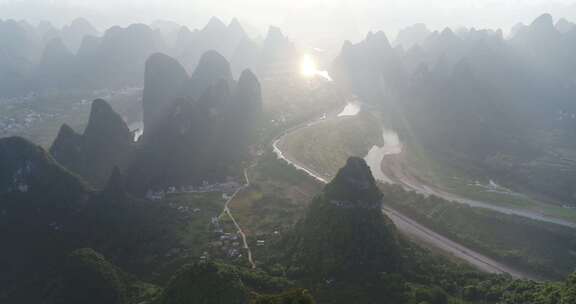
(205, 283)
(409, 274)
(297, 296)
(346, 250)
(87, 272)
(540, 248)
(63, 214)
(325, 146)
(504, 291)
(334, 245)
(160, 237)
(421, 276)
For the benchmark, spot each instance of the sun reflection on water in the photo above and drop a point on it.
(309, 68)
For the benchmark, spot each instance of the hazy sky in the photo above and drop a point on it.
(348, 17)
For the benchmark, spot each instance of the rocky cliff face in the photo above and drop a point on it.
(106, 143)
(212, 68)
(355, 186)
(164, 79)
(27, 170)
(344, 235)
(203, 124)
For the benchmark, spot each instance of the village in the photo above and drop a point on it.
(227, 188)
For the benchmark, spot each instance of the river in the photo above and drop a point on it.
(410, 228)
(392, 145)
(352, 108)
(138, 128)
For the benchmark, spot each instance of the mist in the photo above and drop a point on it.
(312, 19)
(288, 151)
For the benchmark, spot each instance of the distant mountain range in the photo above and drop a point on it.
(77, 56)
(78, 224)
(496, 107)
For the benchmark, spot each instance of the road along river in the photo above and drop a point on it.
(391, 169)
(405, 225)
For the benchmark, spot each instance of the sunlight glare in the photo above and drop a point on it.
(308, 67)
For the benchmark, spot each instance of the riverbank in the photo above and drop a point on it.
(405, 225)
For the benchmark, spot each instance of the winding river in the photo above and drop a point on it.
(392, 146)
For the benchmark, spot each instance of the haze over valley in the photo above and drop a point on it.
(254, 152)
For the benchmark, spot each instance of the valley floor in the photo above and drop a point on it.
(395, 168)
(407, 226)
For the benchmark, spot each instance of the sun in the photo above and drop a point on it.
(308, 67)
